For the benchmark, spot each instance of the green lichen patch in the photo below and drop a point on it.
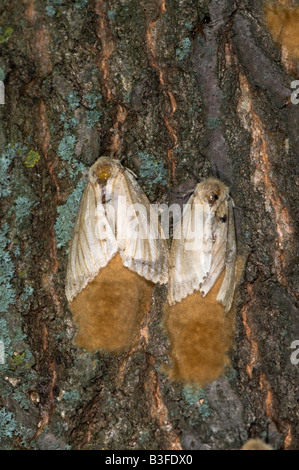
(2, 73)
(21, 361)
(32, 158)
(66, 150)
(5, 337)
(69, 122)
(7, 270)
(92, 99)
(192, 394)
(79, 4)
(6, 158)
(66, 216)
(92, 117)
(20, 397)
(213, 122)
(73, 99)
(23, 206)
(72, 396)
(8, 423)
(10, 426)
(14, 183)
(184, 50)
(6, 34)
(50, 10)
(18, 359)
(197, 396)
(152, 171)
(111, 14)
(26, 294)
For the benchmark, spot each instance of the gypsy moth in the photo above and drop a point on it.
(202, 277)
(116, 255)
(282, 19)
(256, 444)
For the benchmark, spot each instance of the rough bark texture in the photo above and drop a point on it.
(200, 89)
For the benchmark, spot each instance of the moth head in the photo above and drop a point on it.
(103, 169)
(212, 191)
(212, 196)
(103, 173)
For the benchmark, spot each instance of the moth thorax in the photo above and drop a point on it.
(103, 173)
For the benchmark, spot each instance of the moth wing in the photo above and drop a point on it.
(191, 252)
(93, 243)
(223, 256)
(201, 251)
(226, 291)
(218, 232)
(142, 245)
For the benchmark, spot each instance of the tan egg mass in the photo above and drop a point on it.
(282, 20)
(200, 334)
(108, 312)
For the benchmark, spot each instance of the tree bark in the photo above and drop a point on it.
(200, 89)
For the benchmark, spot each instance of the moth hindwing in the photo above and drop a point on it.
(114, 216)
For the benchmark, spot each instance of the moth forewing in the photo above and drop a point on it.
(186, 271)
(145, 250)
(218, 235)
(208, 245)
(206, 240)
(87, 255)
(226, 291)
(114, 215)
(198, 260)
(137, 220)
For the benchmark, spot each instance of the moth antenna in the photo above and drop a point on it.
(131, 172)
(189, 192)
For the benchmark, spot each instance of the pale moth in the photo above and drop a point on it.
(114, 216)
(204, 245)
